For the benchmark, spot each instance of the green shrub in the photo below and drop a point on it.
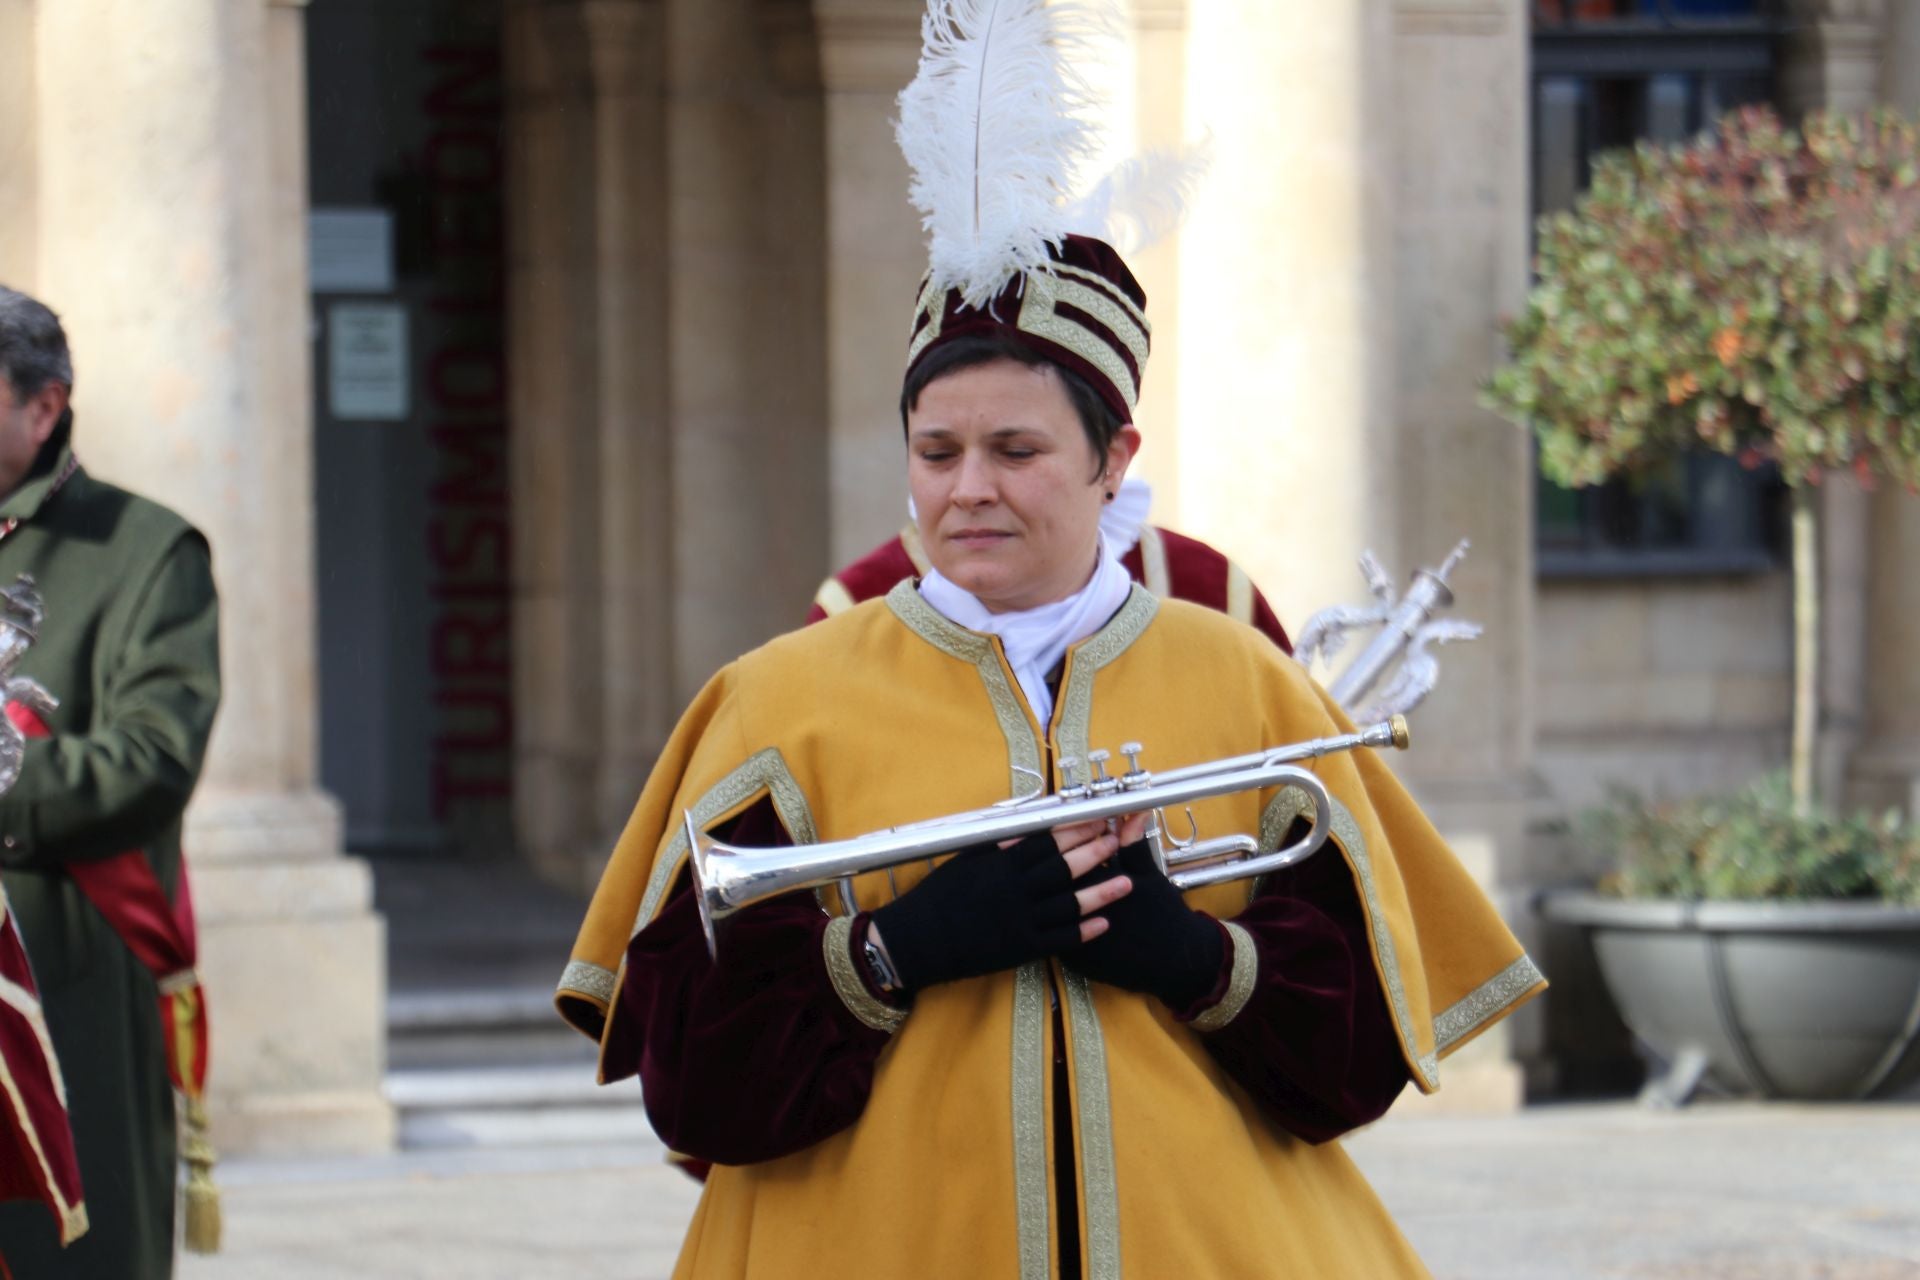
(1755, 291)
(1749, 845)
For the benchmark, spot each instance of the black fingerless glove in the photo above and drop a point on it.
(1154, 943)
(983, 910)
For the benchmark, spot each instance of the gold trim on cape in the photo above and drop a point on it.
(954, 640)
(1099, 1176)
(1029, 1098)
(836, 949)
(1291, 803)
(1240, 983)
(592, 981)
(1029, 1066)
(765, 770)
(1073, 718)
(1487, 1002)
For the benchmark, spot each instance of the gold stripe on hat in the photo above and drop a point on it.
(1039, 317)
(1107, 290)
(933, 304)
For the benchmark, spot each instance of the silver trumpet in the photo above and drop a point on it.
(729, 877)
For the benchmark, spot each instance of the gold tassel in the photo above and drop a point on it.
(203, 1198)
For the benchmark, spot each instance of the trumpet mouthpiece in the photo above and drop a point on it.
(1400, 735)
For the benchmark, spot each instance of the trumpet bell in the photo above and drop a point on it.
(706, 874)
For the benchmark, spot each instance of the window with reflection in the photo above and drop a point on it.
(1607, 74)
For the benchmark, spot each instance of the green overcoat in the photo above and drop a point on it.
(130, 647)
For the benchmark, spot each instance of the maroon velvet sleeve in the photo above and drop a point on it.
(1315, 1043)
(755, 1056)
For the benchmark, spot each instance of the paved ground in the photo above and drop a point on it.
(1719, 1192)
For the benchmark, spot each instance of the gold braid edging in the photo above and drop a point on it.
(1240, 984)
(835, 947)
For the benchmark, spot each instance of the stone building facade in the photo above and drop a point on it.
(656, 261)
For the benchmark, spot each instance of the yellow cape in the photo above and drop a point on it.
(890, 713)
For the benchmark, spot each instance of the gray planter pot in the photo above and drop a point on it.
(1782, 999)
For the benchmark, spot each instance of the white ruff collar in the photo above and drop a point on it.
(1037, 639)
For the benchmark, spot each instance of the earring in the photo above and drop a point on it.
(1109, 495)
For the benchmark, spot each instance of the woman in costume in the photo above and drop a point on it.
(1037, 1060)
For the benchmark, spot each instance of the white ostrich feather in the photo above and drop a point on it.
(996, 126)
(1144, 199)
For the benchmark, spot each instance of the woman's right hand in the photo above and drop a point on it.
(990, 908)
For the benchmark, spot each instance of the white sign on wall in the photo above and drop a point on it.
(350, 250)
(367, 362)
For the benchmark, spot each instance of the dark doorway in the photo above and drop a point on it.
(410, 424)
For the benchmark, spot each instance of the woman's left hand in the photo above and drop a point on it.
(1154, 943)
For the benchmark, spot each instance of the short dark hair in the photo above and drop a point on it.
(1097, 417)
(33, 346)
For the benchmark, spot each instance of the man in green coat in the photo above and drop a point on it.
(129, 645)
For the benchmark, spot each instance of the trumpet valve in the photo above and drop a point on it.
(1071, 787)
(1135, 777)
(1100, 784)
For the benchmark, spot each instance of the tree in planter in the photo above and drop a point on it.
(1755, 292)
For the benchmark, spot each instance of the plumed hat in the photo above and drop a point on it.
(997, 127)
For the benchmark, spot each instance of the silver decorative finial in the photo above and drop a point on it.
(1406, 631)
(21, 612)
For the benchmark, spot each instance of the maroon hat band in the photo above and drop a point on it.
(1087, 313)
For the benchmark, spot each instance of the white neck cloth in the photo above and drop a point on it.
(1037, 639)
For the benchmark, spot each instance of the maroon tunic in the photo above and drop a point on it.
(756, 1057)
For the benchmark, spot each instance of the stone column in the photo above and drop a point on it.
(19, 185)
(1286, 434)
(173, 211)
(875, 258)
(1341, 285)
(749, 456)
(1900, 60)
(1160, 51)
(1459, 85)
(637, 536)
(554, 348)
(1886, 771)
(1832, 58)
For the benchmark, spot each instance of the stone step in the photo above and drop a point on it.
(543, 1127)
(448, 1029)
(430, 1011)
(504, 1086)
(515, 1104)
